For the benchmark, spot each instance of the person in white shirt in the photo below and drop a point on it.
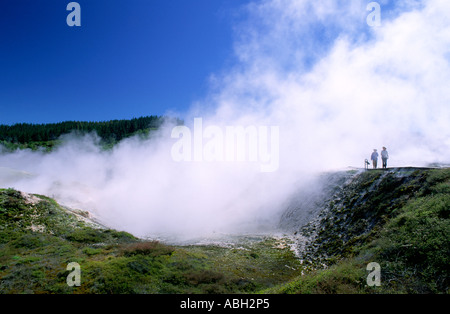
(384, 157)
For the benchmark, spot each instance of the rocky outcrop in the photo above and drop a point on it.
(346, 208)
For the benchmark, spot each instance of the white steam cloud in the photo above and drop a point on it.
(334, 86)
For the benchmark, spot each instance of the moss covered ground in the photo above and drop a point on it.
(39, 238)
(397, 218)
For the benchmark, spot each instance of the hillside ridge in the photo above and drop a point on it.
(386, 215)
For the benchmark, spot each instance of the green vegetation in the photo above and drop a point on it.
(47, 136)
(398, 218)
(39, 238)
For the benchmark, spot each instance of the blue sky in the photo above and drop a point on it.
(128, 59)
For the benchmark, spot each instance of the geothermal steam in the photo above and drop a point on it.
(335, 88)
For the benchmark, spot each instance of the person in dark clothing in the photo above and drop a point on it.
(374, 158)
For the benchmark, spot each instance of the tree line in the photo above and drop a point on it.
(109, 131)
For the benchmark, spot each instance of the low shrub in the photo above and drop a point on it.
(85, 235)
(153, 248)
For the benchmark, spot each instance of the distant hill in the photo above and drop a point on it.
(27, 135)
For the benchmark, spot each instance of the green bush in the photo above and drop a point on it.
(152, 248)
(28, 241)
(92, 251)
(85, 235)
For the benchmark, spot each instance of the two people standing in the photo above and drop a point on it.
(384, 158)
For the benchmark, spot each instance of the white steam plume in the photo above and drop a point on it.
(334, 86)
